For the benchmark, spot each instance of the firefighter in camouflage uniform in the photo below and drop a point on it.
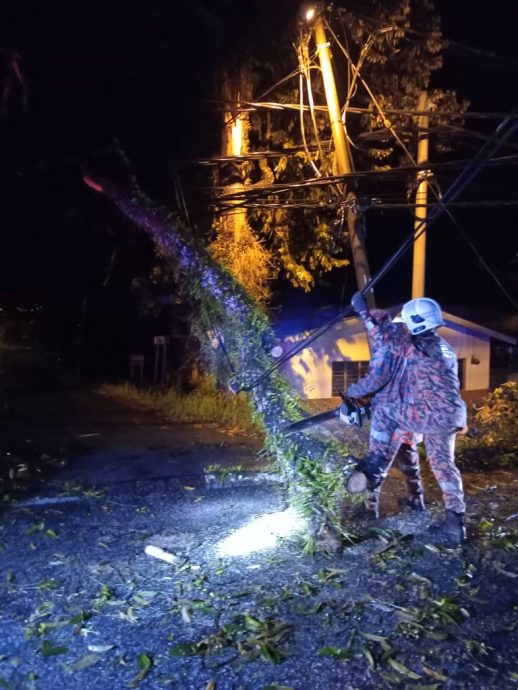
(380, 329)
(420, 394)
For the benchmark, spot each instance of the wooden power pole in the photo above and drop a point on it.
(421, 199)
(342, 160)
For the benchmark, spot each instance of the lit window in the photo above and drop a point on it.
(345, 373)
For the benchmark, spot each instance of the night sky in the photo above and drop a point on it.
(136, 75)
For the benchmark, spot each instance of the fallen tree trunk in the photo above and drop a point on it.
(314, 469)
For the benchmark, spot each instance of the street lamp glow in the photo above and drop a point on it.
(237, 136)
(310, 14)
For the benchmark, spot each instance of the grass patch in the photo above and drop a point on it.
(205, 404)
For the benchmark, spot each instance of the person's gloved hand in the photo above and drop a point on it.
(359, 304)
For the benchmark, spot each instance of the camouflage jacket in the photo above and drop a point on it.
(416, 378)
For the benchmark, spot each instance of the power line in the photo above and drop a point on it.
(275, 105)
(279, 188)
(456, 204)
(448, 43)
(501, 134)
(365, 204)
(431, 185)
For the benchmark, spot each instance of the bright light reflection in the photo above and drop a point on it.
(237, 136)
(261, 533)
(310, 14)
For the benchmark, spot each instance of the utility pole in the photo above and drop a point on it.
(342, 163)
(234, 144)
(421, 199)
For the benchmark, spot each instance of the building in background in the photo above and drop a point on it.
(340, 356)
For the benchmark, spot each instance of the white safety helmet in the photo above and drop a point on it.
(421, 315)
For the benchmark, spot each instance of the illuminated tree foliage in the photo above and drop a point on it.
(236, 246)
(496, 420)
(384, 53)
(395, 47)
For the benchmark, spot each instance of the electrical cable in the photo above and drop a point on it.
(388, 124)
(500, 136)
(463, 131)
(364, 174)
(301, 112)
(375, 204)
(355, 69)
(484, 263)
(307, 75)
(274, 105)
(180, 198)
(458, 204)
(302, 128)
(289, 76)
(431, 185)
(447, 42)
(351, 92)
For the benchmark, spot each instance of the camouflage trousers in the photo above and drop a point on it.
(385, 442)
(406, 459)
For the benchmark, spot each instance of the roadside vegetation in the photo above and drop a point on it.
(205, 404)
(493, 441)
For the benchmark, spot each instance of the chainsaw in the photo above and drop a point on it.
(351, 413)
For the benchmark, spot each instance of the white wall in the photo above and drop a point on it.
(470, 347)
(310, 371)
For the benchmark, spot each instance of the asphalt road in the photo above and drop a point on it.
(88, 485)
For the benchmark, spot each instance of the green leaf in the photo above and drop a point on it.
(270, 653)
(45, 626)
(311, 610)
(183, 649)
(374, 638)
(47, 584)
(252, 623)
(85, 662)
(145, 663)
(48, 649)
(51, 533)
(368, 655)
(36, 527)
(79, 618)
(414, 577)
(140, 600)
(341, 653)
(400, 668)
(100, 648)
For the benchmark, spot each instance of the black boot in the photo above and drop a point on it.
(368, 474)
(452, 531)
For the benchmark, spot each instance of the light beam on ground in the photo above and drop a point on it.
(261, 533)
